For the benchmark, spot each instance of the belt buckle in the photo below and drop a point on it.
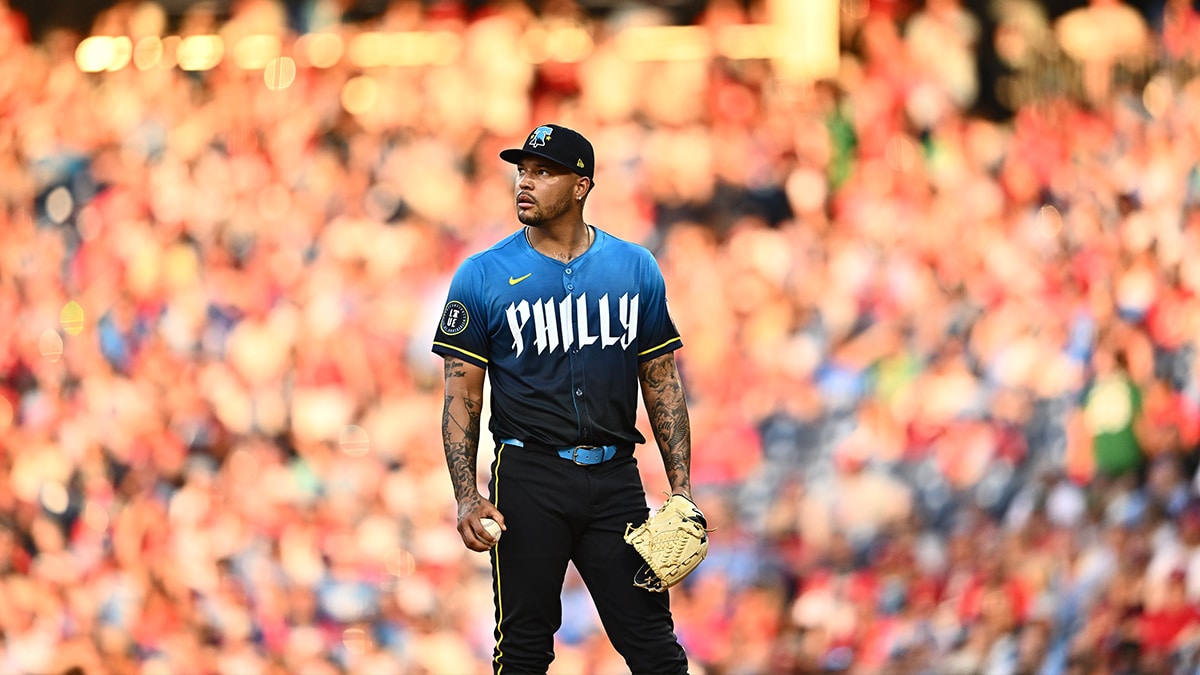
(575, 454)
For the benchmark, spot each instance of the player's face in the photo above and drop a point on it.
(545, 191)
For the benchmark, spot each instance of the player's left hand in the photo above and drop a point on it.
(673, 542)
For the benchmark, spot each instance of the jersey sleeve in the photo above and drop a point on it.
(462, 328)
(659, 335)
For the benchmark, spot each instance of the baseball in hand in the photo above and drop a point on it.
(492, 527)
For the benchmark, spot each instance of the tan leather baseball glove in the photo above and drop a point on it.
(673, 541)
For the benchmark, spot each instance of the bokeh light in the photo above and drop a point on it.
(360, 95)
(354, 441)
(50, 345)
(320, 50)
(54, 497)
(366, 50)
(122, 53)
(1157, 95)
(95, 54)
(59, 204)
(1050, 220)
(103, 52)
(355, 640)
(279, 73)
(200, 52)
(71, 318)
(401, 563)
(96, 517)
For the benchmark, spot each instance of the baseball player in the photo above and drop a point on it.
(568, 322)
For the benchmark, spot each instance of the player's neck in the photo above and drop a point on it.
(565, 243)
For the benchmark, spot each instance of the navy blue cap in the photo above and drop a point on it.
(559, 145)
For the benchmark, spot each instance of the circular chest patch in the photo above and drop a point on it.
(454, 318)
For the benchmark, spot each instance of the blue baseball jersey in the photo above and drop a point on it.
(561, 342)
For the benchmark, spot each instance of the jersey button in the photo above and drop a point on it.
(570, 287)
(579, 392)
(568, 270)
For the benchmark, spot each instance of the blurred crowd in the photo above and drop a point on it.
(941, 364)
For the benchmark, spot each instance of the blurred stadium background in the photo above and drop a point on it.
(936, 265)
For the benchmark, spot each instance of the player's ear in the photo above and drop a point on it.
(582, 187)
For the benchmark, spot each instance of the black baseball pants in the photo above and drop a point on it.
(557, 512)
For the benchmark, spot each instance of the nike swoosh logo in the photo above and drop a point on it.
(513, 281)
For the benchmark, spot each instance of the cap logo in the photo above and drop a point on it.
(579, 163)
(539, 137)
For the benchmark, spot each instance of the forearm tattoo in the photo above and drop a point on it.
(666, 407)
(460, 432)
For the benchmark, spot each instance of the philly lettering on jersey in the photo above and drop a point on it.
(565, 324)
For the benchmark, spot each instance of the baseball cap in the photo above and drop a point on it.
(560, 145)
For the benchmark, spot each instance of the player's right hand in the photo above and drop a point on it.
(473, 534)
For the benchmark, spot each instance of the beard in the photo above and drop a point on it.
(542, 213)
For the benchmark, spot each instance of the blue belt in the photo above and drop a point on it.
(580, 454)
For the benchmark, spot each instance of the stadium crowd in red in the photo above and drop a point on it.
(941, 364)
